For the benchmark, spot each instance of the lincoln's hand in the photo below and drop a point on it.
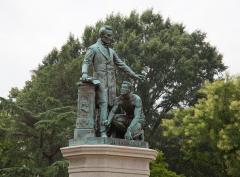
(139, 76)
(84, 76)
(107, 123)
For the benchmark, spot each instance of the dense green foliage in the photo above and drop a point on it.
(159, 168)
(208, 133)
(39, 119)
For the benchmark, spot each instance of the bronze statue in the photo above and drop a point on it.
(103, 58)
(130, 124)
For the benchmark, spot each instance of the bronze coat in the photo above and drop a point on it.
(103, 60)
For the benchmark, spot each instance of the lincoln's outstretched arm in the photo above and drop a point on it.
(122, 65)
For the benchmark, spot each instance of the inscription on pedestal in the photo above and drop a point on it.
(111, 141)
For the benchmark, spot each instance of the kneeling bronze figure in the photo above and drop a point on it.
(126, 119)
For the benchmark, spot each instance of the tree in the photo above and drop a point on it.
(208, 132)
(159, 168)
(39, 119)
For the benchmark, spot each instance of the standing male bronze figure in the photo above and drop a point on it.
(103, 58)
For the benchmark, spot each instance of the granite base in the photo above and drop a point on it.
(108, 161)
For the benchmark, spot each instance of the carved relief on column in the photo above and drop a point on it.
(86, 106)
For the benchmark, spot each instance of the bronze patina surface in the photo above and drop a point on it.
(98, 118)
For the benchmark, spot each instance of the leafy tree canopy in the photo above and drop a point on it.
(159, 168)
(208, 132)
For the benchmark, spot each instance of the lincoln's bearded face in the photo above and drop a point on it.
(107, 37)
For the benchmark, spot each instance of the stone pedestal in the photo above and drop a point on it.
(108, 161)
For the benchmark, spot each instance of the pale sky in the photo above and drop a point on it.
(29, 29)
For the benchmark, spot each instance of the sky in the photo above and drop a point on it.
(30, 29)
